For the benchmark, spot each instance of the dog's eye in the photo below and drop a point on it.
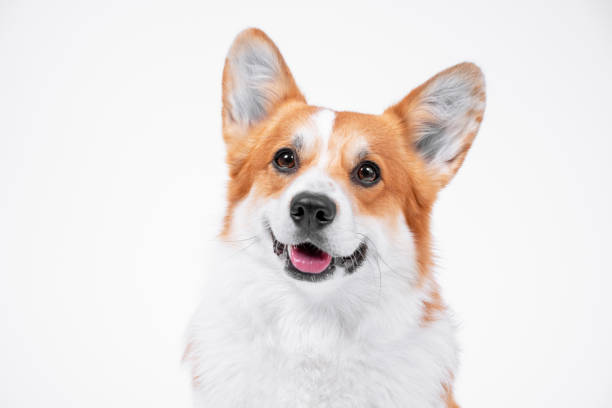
(366, 173)
(285, 160)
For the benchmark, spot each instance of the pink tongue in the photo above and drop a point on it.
(309, 262)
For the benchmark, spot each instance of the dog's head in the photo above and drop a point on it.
(328, 197)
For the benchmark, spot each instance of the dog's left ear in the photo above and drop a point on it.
(256, 81)
(442, 116)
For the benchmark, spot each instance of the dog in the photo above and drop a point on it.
(322, 292)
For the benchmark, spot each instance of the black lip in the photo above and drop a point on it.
(349, 263)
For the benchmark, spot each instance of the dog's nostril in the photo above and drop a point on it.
(321, 216)
(297, 212)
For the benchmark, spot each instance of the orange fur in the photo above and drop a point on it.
(431, 307)
(404, 187)
(250, 164)
(449, 399)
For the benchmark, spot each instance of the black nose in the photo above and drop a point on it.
(312, 211)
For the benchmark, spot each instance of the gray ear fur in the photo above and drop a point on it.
(443, 115)
(255, 80)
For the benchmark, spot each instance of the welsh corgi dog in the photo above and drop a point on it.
(322, 292)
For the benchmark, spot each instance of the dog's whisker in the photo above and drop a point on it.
(237, 239)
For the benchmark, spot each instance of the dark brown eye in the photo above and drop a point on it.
(285, 160)
(366, 173)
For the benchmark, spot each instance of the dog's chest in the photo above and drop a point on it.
(319, 366)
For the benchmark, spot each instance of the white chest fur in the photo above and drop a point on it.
(259, 343)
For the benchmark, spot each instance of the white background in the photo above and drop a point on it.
(112, 185)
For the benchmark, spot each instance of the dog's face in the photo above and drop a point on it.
(329, 198)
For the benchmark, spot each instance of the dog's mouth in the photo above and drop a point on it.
(308, 262)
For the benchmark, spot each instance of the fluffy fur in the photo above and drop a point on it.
(378, 336)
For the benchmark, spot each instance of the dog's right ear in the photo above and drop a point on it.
(256, 81)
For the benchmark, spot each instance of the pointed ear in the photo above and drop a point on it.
(256, 80)
(442, 116)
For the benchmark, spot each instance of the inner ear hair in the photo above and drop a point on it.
(256, 80)
(442, 117)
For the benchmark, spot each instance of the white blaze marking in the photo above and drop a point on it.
(324, 123)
